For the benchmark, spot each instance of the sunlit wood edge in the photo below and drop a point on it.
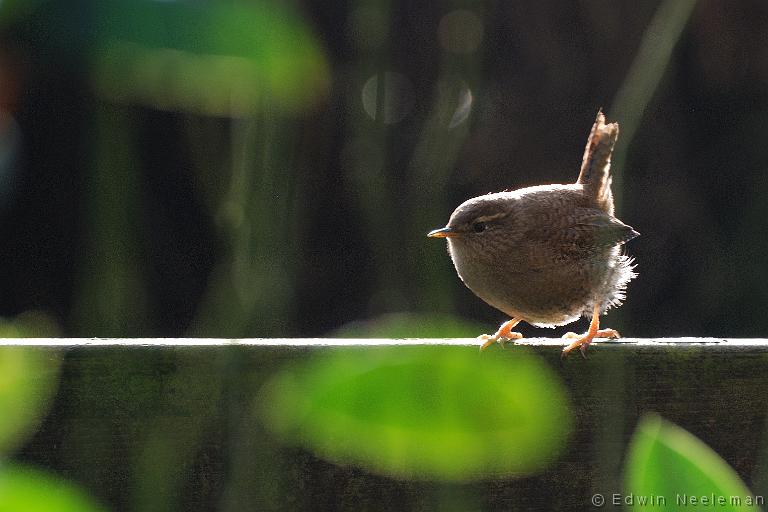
(349, 342)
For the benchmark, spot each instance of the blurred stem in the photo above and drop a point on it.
(442, 137)
(398, 212)
(610, 399)
(369, 173)
(256, 470)
(431, 166)
(760, 474)
(251, 290)
(645, 74)
(172, 441)
(633, 97)
(642, 80)
(112, 297)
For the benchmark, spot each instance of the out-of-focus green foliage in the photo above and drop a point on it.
(443, 413)
(28, 380)
(408, 325)
(23, 489)
(214, 58)
(666, 460)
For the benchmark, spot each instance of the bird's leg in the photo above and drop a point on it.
(583, 341)
(503, 335)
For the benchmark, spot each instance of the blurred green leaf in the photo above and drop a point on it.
(444, 413)
(28, 378)
(409, 325)
(211, 58)
(23, 489)
(28, 381)
(665, 460)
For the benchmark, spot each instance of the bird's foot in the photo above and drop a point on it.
(502, 336)
(585, 339)
(602, 333)
(490, 339)
(582, 341)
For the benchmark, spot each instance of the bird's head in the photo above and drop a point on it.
(480, 221)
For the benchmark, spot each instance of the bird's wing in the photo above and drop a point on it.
(577, 236)
(597, 228)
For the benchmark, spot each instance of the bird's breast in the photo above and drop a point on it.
(543, 290)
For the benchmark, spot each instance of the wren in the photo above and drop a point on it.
(548, 254)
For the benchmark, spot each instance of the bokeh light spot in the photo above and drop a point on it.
(394, 103)
(463, 108)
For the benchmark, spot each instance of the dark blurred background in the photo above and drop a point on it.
(270, 168)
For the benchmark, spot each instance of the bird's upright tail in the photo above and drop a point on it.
(596, 164)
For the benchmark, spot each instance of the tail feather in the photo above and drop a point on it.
(596, 164)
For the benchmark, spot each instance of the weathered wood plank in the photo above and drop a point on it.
(194, 398)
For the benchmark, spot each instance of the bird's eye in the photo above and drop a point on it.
(479, 227)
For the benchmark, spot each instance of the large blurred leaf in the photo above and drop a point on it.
(665, 460)
(446, 413)
(24, 489)
(219, 58)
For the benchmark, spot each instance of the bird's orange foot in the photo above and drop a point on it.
(602, 333)
(582, 341)
(502, 336)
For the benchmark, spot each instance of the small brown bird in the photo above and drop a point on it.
(548, 254)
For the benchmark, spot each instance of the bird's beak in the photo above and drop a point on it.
(445, 232)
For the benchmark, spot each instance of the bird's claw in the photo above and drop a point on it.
(602, 333)
(608, 333)
(584, 340)
(490, 339)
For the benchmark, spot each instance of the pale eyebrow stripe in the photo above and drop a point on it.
(486, 218)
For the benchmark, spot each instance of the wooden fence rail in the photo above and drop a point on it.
(114, 394)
